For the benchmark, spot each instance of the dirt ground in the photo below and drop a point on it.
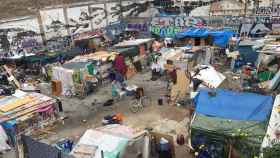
(82, 116)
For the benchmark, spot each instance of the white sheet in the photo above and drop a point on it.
(3, 139)
(210, 76)
(65, 76)
(104, 142)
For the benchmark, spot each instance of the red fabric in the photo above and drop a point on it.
(119, 64)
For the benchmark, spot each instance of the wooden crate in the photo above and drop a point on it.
(130, 72)
(56, 88)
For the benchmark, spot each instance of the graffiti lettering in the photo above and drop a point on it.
(168, 31)
(263, 20)
(264, 11)
(169, 26)
(268, 11)
(276, 10)
(178, 21)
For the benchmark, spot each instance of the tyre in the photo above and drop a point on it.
(134, 106)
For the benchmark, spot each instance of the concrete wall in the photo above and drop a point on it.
(68, 20)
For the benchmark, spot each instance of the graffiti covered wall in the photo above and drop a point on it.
(140, 8)
(54, 23)
(113, 12)
(57, 23)
(269, 16)
(98, 13)
(20, 36)
(79, 19)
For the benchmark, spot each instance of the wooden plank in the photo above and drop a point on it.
(27, 111)
(12, 77)
(17, 103)
(26, 106)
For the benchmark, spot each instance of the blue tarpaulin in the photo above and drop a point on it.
(193, 32)
(234, 105)
(220, 37)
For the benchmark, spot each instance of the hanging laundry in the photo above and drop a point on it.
(77, 76)
(90, 69)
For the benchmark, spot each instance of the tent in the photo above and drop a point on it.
(227, 122)
(220, 37)
(217, 134)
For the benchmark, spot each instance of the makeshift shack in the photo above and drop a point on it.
(228, 123)
(248, 50)
(105, 142)
(184, 58)
(135, 53)
(143, 45)
(83, 74)
(26, 113)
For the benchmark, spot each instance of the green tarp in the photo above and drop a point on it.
(216, 133)
(49, 57)
(131, 51)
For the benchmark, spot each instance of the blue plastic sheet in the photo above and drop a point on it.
(234, 105)
(9, 124)
(220, 38)
(193, 32)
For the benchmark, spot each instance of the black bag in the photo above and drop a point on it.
(109, 102)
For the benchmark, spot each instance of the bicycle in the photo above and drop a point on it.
(139, 104)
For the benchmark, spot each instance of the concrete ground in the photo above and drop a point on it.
(82, 115)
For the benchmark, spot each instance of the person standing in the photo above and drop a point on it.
(155, 70)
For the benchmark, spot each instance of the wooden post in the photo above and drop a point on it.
(90, 14)
(106, 13)
(65, 14)
(41, 27)
(121, 10)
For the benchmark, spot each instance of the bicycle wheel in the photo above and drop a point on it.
(146, 101)
(134, 106)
